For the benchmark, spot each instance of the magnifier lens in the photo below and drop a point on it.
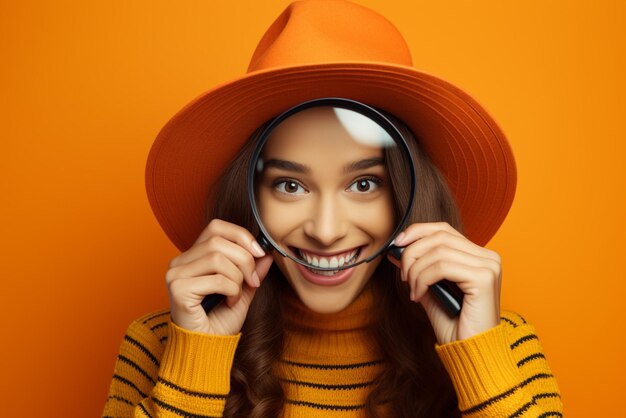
(331, 185)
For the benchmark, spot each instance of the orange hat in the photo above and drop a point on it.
(330, 48)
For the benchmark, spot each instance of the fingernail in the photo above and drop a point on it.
(399, 238)
(257, 249)
(255, 279)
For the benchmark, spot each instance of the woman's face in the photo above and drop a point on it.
(325, 197)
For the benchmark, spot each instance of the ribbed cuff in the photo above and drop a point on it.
(481, 367)
(197, 361)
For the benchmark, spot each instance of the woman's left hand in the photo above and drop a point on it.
(435, 251)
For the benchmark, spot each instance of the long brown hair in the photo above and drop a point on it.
(415, 383)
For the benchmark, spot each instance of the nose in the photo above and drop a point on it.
(327, 222)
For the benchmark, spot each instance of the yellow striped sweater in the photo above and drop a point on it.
(327, 368)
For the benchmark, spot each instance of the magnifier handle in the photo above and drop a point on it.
(263, 242)
(211, 301)
(450, 296)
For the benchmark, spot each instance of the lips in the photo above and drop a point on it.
(327, 261)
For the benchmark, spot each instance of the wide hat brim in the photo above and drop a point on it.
(456, 132)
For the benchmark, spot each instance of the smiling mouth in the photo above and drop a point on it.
(326, 262)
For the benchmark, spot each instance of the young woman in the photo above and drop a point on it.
(368, 340)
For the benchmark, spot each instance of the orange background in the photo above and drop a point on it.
(86, 86)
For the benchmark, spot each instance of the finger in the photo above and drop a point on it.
(263, 265)
(422, 229)
(247, 294)
(238, 255)
(395, 261)
(191, 292)
(213, 263)
(431, 306)
(415, 262)
(227, 288)
(234, 299)
(418, 249)
(480, 279)
(231, 232)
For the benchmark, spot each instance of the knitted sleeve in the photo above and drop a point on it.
(163, 370)
(502, 372)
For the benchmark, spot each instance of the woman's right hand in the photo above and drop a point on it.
(222, 260)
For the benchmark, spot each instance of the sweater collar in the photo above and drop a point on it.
(356, 316)
(344, 337)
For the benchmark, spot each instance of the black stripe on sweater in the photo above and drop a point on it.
(179, 411)
(551, 414)
(522, 409)
(324, 406)
(509, 321)
(328, 387)
(119, 398)
(506, 394)
(145, 411)
(530, 358)
(155, 316)
(143, 349)
(333, 366)
(135, 366)
(189, 392)
(523, 340)
(526, 406)
(129, 383)
(546, 395)
(520, 317)
(157, 326)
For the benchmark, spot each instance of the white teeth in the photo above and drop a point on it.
(332, 262)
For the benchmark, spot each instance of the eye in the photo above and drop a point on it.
(289, 187)
(365, 185)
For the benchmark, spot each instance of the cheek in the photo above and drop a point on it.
(277, 217)
(377, 218)
(384, 221)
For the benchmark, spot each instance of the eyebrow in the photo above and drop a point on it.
(301, 168)
(286, 165)
(364, 164)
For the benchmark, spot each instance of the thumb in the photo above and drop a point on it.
(263, 265)
(394, 261)
(430, 306)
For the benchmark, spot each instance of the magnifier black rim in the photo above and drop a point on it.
(344, 103)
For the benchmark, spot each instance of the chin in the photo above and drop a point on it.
(327, 299)
(326, 302)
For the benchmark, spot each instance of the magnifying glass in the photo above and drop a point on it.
(322, 161)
